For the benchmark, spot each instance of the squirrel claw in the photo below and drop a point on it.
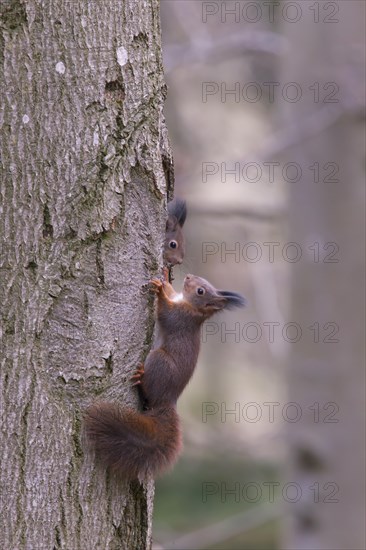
(155, 285)
(138, 375)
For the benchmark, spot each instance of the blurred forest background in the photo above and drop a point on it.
(265, 115)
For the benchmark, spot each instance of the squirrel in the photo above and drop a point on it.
(135, 444)
(174, 245)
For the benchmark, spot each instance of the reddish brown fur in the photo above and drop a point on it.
(135, 444)
(177, 212)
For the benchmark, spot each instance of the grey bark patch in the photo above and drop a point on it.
(47, 225)
(12, 14)
(79, 237)
(115, 91)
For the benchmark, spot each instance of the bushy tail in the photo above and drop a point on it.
(134, 444)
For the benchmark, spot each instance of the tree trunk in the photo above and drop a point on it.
(326, 372)
(85, 170)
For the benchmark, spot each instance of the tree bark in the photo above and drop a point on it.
(85, 170)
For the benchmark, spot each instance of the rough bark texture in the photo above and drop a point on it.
(85, 169)
(328, 450)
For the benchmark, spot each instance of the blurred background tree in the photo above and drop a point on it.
(265, 111)
(327, 447)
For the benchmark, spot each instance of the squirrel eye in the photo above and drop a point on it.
(173, 244)
(200, 291)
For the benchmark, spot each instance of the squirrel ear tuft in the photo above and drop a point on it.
(171, 223)
(178, 209)
(233, 299)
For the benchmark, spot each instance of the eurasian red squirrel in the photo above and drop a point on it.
(174, 245)
(132, 443)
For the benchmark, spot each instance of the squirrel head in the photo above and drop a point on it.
(205, 298)
(174, 245)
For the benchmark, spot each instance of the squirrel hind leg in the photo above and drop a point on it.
(136, 378)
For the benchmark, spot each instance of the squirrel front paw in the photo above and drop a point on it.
(155, 285)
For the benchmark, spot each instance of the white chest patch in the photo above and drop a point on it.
(178, 298)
